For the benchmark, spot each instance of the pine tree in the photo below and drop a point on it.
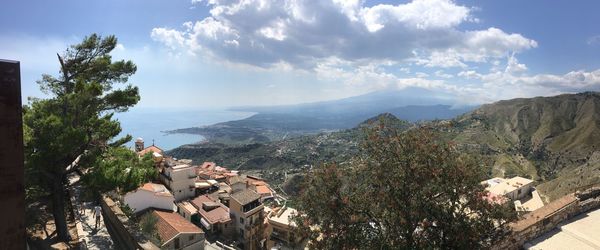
(75, 125)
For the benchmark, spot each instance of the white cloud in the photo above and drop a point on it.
(358, 46)
(302, 33)
(594, 40)
(423, 15)
(513, 66)
(421, 75)
(171, 38)
(120, 47)
(469, 74)
(441, 74)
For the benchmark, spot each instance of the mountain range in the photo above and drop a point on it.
(274, 123)
(553, 140)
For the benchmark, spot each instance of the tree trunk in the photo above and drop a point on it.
(58, 211)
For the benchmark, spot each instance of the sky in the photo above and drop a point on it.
(220, 53)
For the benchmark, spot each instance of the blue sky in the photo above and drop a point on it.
(254, 52)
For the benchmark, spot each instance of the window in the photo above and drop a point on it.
(242, 232)
(241, 220)
(191, 237)
(180, 191)
(519, 191)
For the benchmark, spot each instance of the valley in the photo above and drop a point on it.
(552, 140)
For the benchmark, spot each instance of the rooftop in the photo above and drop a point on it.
(245, 196)
(169, 225)
(188, 207)
(157, 189)
(261, 189)
(219, 214)
(501, 186)
(208, 165)
(283, 216)
(151, 149)
(236, 179)
(182, 167)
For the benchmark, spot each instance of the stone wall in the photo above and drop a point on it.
(543, 220)
(125, 231)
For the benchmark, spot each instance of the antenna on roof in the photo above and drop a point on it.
(152, 142)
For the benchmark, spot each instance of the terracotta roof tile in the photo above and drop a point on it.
(170, 225)
(151, 149)
(157, 189)
(261, 189)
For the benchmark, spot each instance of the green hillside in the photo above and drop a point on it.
(553, 140)
(550, 139)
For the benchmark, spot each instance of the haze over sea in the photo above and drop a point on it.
(150, 124)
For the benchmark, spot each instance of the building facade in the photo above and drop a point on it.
(150, 195)
(181, 180)
(247, 213)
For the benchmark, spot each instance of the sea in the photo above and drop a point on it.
(150, 124)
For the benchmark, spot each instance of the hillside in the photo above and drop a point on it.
(293, 155)
(552, 139)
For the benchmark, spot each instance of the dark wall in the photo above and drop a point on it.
(12, 191)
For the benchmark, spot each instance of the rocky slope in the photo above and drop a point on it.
(546, 138)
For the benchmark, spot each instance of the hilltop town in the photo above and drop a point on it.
(419, 124)
(206, 206)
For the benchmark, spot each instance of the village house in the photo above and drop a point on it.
(150, 195)
(514, 188)
(258, 185)
(177, 233)
(517, 189)
(206, 186)
(186, 210)
(213, 216)
(237, 183)
(280, 229)
(181, 180)
(210, 171)
(247, 213)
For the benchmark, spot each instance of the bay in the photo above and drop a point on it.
(150, 124)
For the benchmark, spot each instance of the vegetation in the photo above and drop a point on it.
(410, 190)
(122, 169)
(553, 140)
(74, 126)
(147, 225)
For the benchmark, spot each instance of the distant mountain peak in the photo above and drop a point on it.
(387, 118)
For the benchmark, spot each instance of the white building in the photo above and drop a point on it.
(514, 188)
(150, 195)
(181, 180)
